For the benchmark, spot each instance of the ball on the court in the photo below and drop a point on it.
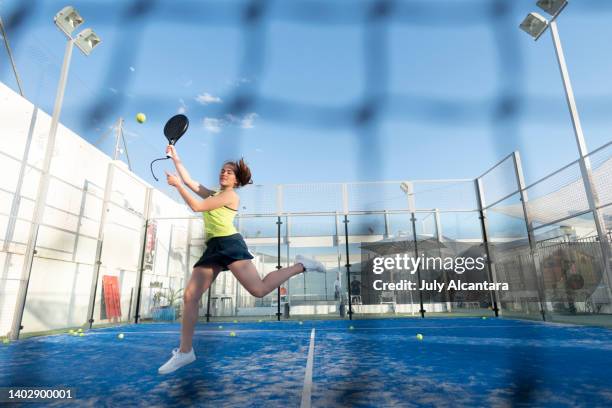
(220, 327)
(260, 320)
(5, 341)
(232, 334)
(484, 317)
(419, 336)
(300, 323)
(141, 117)
(235, 321)
(351, 328)
(120, 336)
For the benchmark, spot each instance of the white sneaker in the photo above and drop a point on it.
(310, 265)
(177, 361)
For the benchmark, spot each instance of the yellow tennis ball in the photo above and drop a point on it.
(220, 327)
(233, 334)
(80, 330)
(301, 323)
(484, 317)
(351, 328)
(120, 336)
(235, 321)
(5, 341)
(141, 117)
(419, 336)
(81, 334)
(260, 320)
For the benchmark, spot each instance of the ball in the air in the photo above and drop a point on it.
(484, 317)
(235, 321)
(300, 323)
(141, 117)
(232, 334)
(81, 334)
(260, 320)
(351, 328)
(419, 336)
(5, 341)
(220, 327)
(120, 336)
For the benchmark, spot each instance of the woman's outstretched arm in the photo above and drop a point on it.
(193, 185)
(225, 198)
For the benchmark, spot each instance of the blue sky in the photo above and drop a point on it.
(285, 91)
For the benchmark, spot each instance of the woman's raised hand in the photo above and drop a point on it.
(171, 151)
(173, 179)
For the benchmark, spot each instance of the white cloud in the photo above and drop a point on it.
(207, 98)
(247, 121)
(212, 125)
(183, 107)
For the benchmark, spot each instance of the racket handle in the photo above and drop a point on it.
(168, 156)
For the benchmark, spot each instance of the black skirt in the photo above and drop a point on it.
(223, 251)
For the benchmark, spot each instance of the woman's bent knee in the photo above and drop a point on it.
(258, 292)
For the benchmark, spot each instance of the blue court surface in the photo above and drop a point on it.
(362, 363)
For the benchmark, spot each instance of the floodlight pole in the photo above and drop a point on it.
(10, 55)
(585, 162)
(43, 190)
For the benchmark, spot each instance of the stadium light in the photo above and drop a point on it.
(552, 7)
(535, 25)
(67, 20)
(87, 40)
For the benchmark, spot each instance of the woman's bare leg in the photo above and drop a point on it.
(201, 279)
(247, 275)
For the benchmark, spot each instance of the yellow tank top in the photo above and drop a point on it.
(219, 222)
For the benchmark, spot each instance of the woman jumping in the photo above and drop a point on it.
(225, 249)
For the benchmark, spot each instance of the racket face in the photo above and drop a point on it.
(175, 128)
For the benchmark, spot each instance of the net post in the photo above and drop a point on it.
(143, 249)
(416, 255)
(98, 261)
(520, 180)
(348, 263)
(278, 264)
(484, 228)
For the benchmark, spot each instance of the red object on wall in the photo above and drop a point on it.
(110, 286)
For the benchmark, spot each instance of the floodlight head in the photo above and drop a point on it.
(534, 25)
(552, 7)
(67, 20)
(87, 40)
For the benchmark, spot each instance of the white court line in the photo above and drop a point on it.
(330, 329)
(307, 390)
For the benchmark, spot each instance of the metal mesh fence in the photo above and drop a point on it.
(558, 196)
(552, 252)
